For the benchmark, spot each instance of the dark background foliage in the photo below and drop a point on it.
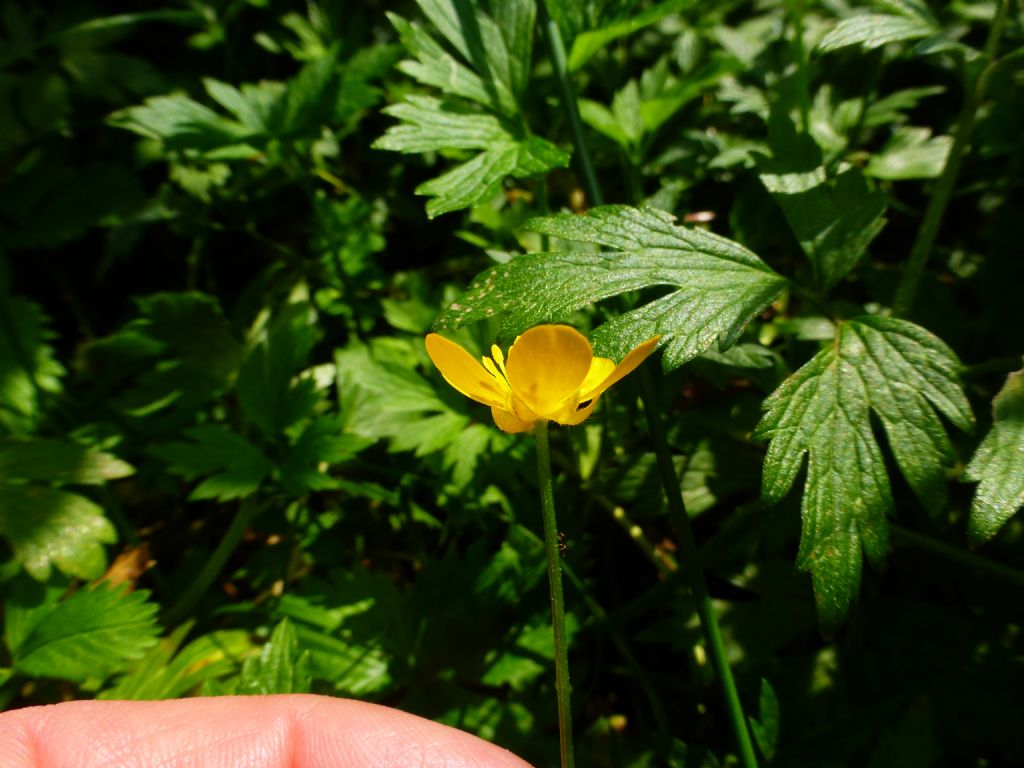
(226, 465)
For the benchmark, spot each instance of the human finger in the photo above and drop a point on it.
(290, 731)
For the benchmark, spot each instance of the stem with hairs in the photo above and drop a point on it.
(551, 548)
(690, 560)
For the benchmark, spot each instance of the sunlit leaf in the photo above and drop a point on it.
(90, 634)
(47, 527)
(280, 667)
(885, 367)
(717, 285)
(998, 464)
(834, 219)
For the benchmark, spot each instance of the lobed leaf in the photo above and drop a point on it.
(590, 42)
(835, 219)
(47, 527)
(58, 461)
(902, 374)
(232, 466)
(492, 69)
(90, 634)
(29, 370)
(165, 672)
(718, 285)
(873, 30)
(910, 153)
(280, 666)
(998, 464)
(429, 125)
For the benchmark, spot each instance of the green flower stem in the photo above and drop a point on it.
(554, 36)
(547, 507)
(673, 491)
(939, 201)
(601, 617)
(689, 560)
(215, 564)
(941, 549)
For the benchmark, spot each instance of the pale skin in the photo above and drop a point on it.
(293, 731)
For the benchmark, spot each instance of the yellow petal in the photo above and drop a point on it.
(546, 365)
(462, 371)
(627, 366)
(600, 369)
(509, 422)
(578, 416)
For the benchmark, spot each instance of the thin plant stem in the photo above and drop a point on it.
(946, 551)
(920, 252)
(670, 481)
(663, 562)
(215, 564)
(557, 47)
(689, 560)
(601, 616)
(796, 10)
(551, 548)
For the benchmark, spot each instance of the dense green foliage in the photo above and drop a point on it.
(227, 466)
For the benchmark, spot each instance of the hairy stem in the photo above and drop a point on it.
(667, 470)
(547, 507)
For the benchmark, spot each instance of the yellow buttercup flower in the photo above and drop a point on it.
(551, 374)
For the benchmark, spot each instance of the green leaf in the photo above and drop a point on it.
(381, 400)
(623, 123)
(834, 220)
(493, 72)
(46, 527)
(232, 466)
(58, 461)
(430, 125)
(910, 153)
(344, 624)
(165, 672)
(718, 285)
(588, 43)
(484, 45)
(181, 123)
(601, 119)
(873, 30)
(479, 179)
(259, 112)
(29, 370)
(885, 366)
(279, 668)
(88, 635)
(269, 390)
(998, 464)
(436, 67)
(766, 727)
(193, 325)
(320, 445)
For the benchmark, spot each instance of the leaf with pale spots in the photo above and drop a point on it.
(902, 374)
(717, 285)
